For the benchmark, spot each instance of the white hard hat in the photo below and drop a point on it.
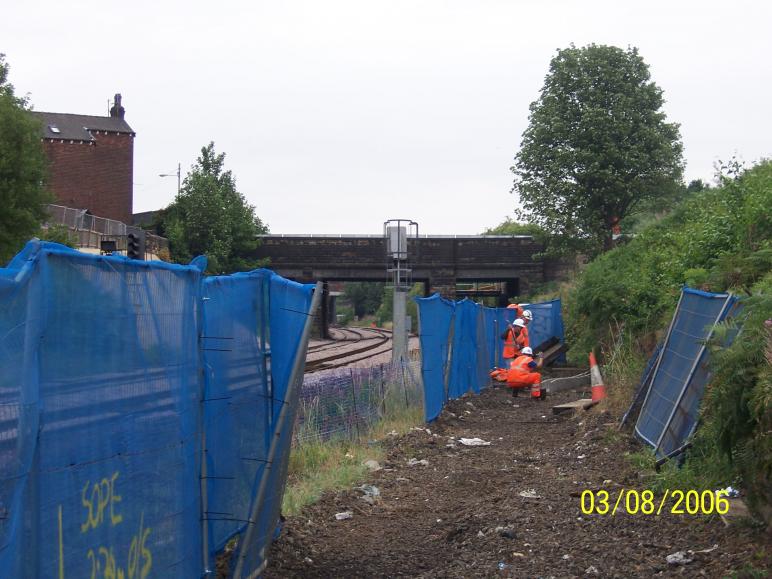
(519, 322)
(528, 315)
(527, 351)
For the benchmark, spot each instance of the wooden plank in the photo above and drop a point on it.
(551, 353)
(582, 404)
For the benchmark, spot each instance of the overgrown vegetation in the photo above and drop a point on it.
(718, 239)
(318, 465)
(23, 171)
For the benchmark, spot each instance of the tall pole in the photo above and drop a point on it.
(399, 336)
(179, 177)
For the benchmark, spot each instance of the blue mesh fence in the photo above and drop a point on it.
(467, 338)
(103, 410)
(669, 412)
(436, 320)
(461, 342)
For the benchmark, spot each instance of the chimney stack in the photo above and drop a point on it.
(117, 110)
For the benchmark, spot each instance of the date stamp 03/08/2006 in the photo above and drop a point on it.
(674, 502)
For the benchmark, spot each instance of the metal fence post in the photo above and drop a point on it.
(286, 412)
(354, 399)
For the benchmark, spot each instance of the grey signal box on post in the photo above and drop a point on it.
(397, 234)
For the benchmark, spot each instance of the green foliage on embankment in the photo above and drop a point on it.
(717, 240)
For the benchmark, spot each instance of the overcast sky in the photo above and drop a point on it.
(338, 115)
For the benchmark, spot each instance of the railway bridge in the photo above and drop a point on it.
(499, 266)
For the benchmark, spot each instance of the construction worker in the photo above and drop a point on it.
(524, 372)
(512, 341)
(524, 340)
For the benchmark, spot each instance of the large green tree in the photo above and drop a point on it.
(210, 217)
(23, 171)
(596, 147)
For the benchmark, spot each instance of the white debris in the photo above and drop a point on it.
(678, 558)
(566, 557)
(415, 462)
(591, 570)
(480, 534)
(392, 433)
(344, 515)
(474, 442)
(372, 465)
(370, 490)
(581, 456)
(728, 492)
(529, 494)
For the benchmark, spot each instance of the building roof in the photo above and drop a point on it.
(78, 127)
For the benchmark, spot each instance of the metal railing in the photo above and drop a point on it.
(90, 230)
(80, 220)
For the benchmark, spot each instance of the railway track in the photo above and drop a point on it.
(346, 349)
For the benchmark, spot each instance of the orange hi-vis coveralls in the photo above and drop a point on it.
(511, 343)
(522, 374)
(523, 341)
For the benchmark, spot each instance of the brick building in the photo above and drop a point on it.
(91, 161)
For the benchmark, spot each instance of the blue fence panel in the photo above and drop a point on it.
(104, 412)
(547, 322)
(482, 352)
(669, 412)
(20, 330)
(463, 362)
(436, 316)
(290, 303)
(477, 344)
(492, 331)
(238, 405)
(111, 371)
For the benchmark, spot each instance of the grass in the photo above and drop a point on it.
(317, 465)
(624, 364)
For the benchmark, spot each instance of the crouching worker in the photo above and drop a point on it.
(524, 372)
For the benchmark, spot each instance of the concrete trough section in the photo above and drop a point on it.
(562, 379)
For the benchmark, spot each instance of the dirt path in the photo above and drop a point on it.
(463, 516)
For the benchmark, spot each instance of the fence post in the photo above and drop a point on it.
(383, 391)
(295, 380)
(354, 398)
(404, 382)
(496, 342)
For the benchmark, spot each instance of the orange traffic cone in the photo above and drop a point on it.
(596, 380)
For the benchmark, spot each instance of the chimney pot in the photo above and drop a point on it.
(117, 109)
